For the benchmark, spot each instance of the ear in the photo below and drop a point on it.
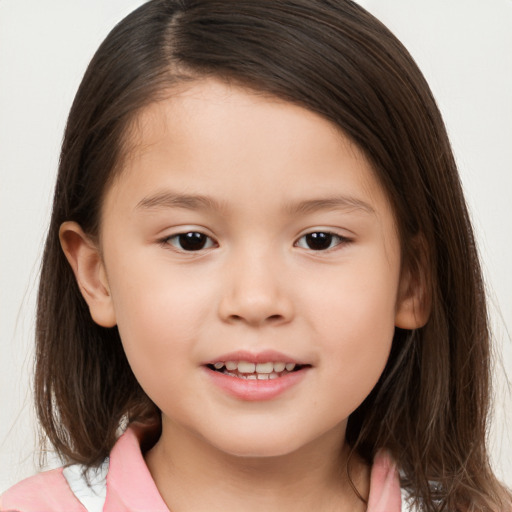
(414, 301)
(85, 259)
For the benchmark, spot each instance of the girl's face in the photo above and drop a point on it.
(248, 233)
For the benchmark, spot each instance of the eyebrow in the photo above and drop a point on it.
(169, 199)
(330, 203)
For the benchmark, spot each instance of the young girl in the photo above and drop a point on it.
(260, 288)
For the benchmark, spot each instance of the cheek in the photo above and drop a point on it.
(158, 337)
(356, 302)
(354, 317)
(159, 316)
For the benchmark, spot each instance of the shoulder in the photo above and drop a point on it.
(386, 493)
(48, 492)
(121, 483)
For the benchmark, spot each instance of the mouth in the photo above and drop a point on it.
(247, 370)
(262, 376)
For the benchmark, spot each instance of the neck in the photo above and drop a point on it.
(192, 475)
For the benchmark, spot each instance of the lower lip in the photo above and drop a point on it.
(254, 389)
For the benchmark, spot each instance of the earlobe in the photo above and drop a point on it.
(414, 297)
(85, 260)
(412, 312)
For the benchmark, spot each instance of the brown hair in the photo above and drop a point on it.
(429, 408)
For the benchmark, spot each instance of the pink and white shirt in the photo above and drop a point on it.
(124, 484)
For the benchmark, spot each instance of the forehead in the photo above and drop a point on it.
(209, 137)
(215, 111)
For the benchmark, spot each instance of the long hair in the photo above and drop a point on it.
(429, 408)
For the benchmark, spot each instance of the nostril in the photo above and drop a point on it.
(271, 318)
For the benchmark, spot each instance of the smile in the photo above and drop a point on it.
(255, 371)
(261, 376)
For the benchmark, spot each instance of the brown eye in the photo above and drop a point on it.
(191, 241)
(320, 241)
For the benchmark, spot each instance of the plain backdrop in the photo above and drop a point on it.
(464, 48)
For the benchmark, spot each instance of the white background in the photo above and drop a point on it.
(464, 47)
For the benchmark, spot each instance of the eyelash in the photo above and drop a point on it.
(180, 238)
(208, 242)
(326, 236)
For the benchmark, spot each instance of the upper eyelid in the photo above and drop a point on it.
(165, 242)
(174, 232)
(330, 231)
(202, 231)
(175, 235)
(183, 230)
(343, 241)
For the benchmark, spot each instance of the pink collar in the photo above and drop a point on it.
(131, 487)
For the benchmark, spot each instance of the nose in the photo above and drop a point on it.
(255, 292)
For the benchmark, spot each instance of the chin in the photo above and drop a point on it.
(259, 450)
(262, 444)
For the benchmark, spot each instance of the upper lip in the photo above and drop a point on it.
(265, 356)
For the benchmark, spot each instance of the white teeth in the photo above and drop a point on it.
(265, 367)
(253, 371)
(279, 367)
(245, 367)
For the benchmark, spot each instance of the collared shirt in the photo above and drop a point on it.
(123, 483)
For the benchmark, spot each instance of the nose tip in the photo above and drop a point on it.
(255, 297)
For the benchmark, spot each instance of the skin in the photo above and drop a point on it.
(271, 171)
